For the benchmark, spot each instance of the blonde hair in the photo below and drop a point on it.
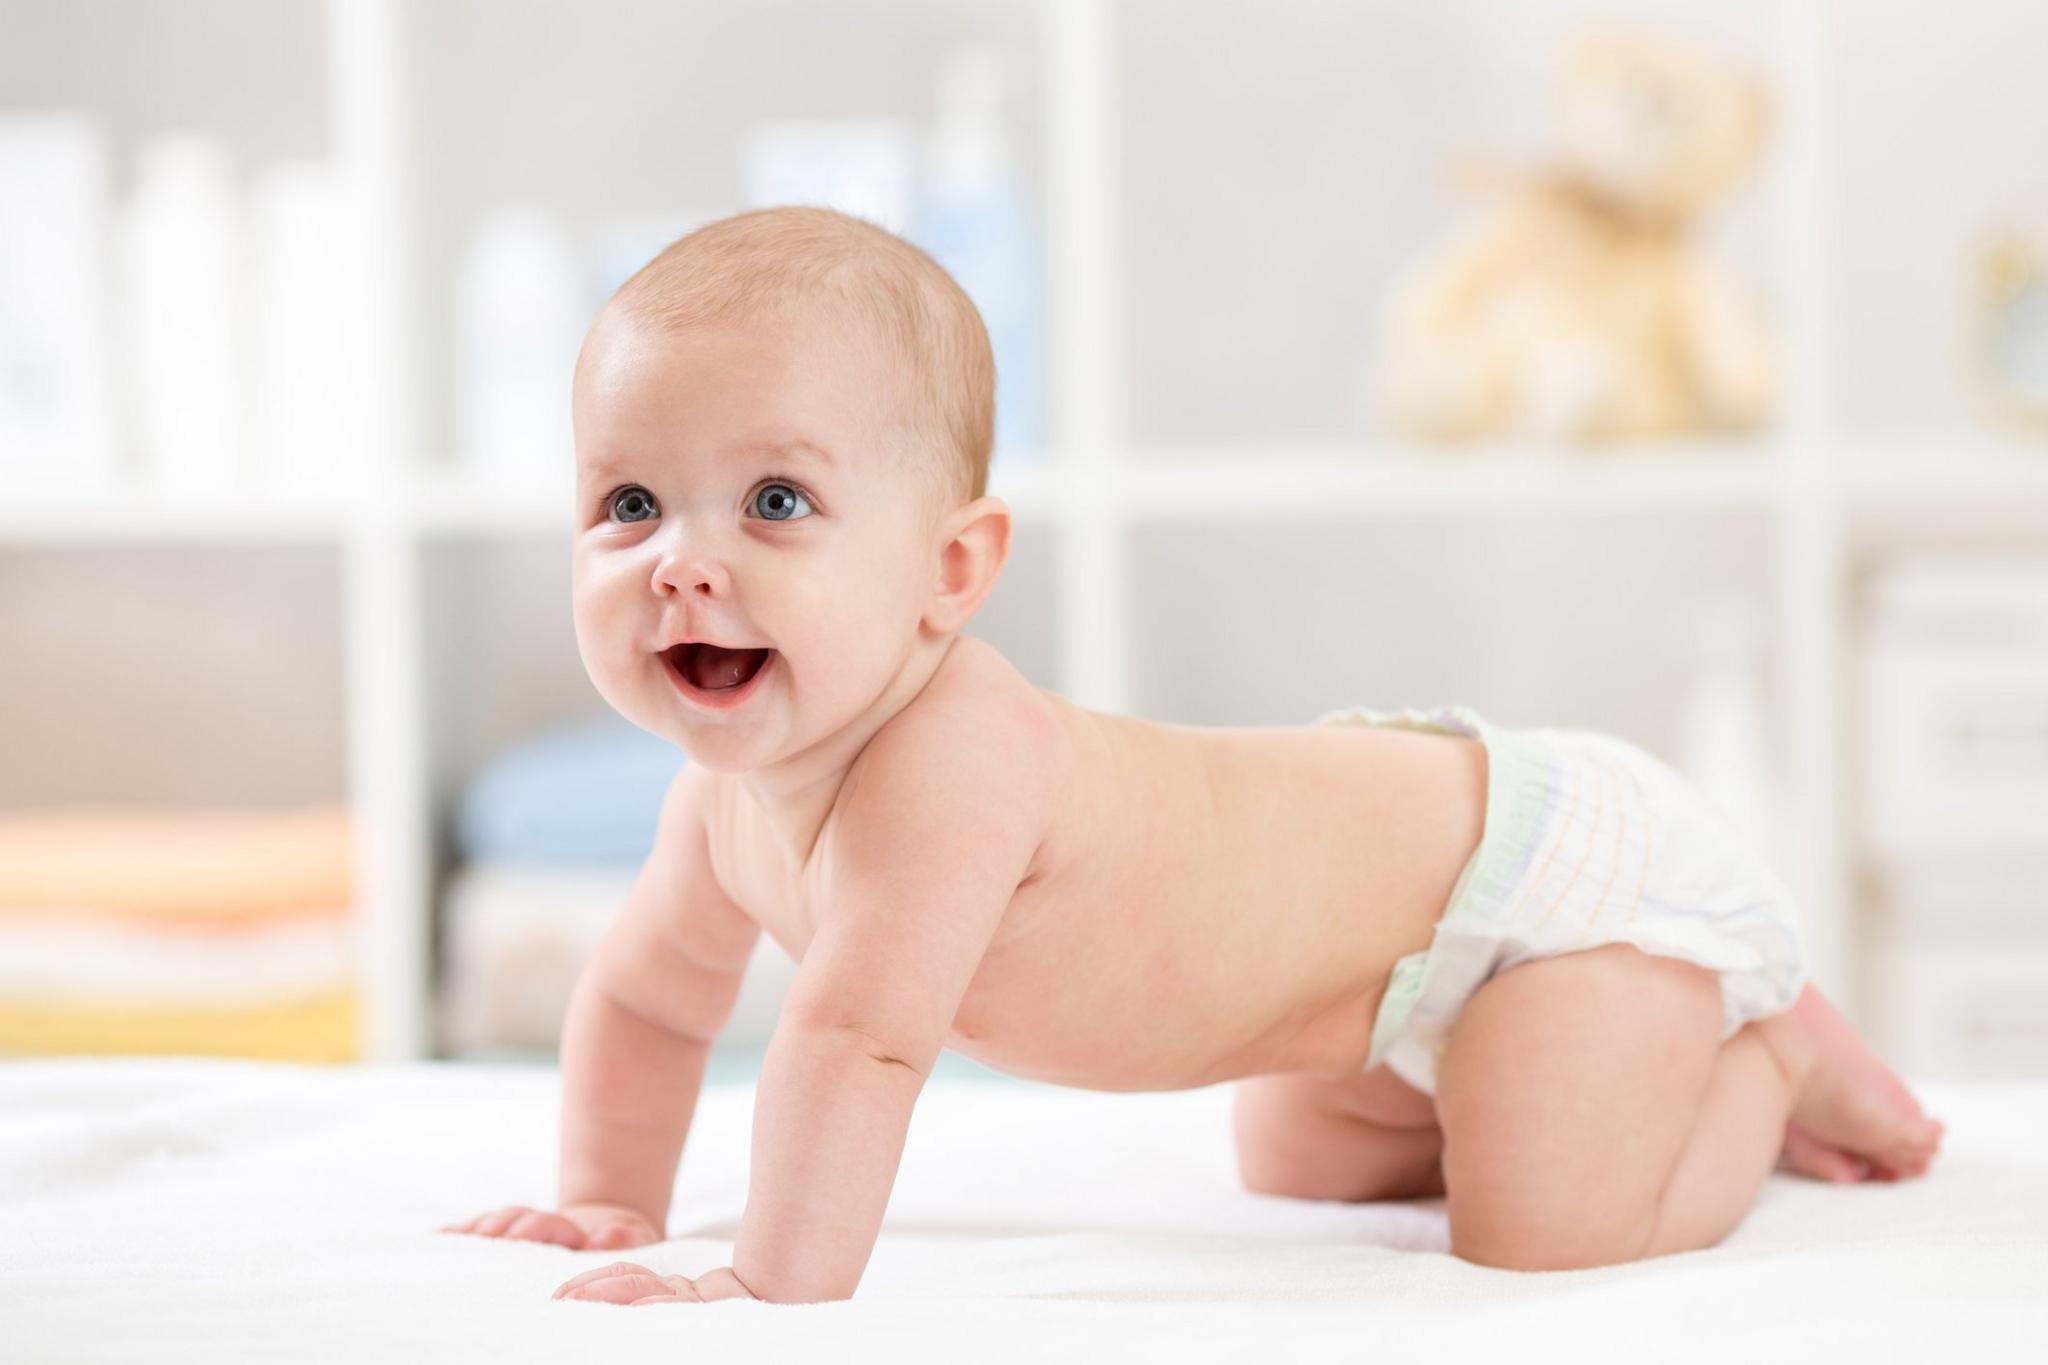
(778, 262)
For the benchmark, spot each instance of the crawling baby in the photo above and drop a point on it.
(1528, 970)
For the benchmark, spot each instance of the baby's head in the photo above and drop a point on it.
(782, 440)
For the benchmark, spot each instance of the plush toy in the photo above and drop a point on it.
(1579, 312)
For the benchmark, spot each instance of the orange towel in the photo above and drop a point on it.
(199, 868)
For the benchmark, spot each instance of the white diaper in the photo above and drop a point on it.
(1588, 841)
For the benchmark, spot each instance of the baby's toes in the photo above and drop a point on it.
(1809, 1156)
(1900, 1162)
(1925, 1141)
(493, 1224)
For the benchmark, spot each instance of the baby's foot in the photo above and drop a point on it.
(1805, 1154)
(1854, 1119)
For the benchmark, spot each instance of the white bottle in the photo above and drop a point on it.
(864, 166)
(310, 350)
(182, 247)
(1722, 743)
(520, 317)
(976, 220)
(56, 386)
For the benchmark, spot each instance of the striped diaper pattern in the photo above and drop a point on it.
(1589, 840)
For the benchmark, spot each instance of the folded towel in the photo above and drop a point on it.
(218, 932)
(84, 958)
(201, 867)
(318, 1028)
(586, 794)
(518, 936)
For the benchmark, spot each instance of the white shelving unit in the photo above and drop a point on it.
(1097, 488)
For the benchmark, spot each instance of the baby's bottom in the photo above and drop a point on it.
(1560, 1141)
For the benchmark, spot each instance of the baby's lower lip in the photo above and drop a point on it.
(724, 699)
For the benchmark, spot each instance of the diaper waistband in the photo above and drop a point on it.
(1525, 778)
(1525, 773)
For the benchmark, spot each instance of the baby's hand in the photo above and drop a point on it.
(580, 1227)
(633, 1285)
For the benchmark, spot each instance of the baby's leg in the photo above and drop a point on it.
(1354, 1138)
(1592, 1116)
(1733, 1148)
(1848, 1113)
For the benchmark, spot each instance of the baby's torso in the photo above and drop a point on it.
(1207, 903)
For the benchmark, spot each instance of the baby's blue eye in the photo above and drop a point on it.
(779, 499)
(630, 492)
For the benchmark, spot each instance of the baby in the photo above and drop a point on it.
(1527, 970)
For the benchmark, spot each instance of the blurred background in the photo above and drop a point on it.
(1678, 370)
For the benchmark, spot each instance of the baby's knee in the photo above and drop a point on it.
(1582, 1244)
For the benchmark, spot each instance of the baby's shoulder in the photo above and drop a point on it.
(977, 690)
(977, 722)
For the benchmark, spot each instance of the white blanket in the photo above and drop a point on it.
(190, 1209)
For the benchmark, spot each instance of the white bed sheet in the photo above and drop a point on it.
(187, 1208)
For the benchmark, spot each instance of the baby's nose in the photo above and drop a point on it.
(692, 570)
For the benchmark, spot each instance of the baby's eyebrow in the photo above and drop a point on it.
(593, 471)
(798, 447)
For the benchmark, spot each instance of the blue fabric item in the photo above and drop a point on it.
(582, 795)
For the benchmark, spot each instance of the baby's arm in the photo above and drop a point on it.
(635, 1041)
(660, 986)
(924, 861)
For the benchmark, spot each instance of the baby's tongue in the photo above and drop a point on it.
(712, 668)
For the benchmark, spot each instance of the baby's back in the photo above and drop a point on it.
(1206, 903)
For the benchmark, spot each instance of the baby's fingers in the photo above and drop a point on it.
(494, 1223)
(546, 1227)
(614, 1237)
(619, 1282)
(472, 1225)
(524, 1224)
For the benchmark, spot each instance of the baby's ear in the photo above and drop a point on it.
(970, 560)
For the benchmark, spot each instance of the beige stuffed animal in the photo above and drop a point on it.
(1579, 312)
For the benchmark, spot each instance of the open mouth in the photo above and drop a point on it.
(715, 676)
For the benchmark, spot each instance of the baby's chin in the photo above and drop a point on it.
(729, 748)
(727, 760)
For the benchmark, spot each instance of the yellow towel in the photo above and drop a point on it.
(203, 867)
(320, 1028)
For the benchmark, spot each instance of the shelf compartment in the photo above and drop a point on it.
(1966, 487)
(624, 124)
(1344, 481)
(181, 676)
(1279, 176)
(1577, 621)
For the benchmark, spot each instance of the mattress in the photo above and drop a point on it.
(208, 1209)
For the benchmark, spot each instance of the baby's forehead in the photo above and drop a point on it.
(832, 393)
(789, 345)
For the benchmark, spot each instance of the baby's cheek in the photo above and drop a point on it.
(595, 649)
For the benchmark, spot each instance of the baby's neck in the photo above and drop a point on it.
(795, 794)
